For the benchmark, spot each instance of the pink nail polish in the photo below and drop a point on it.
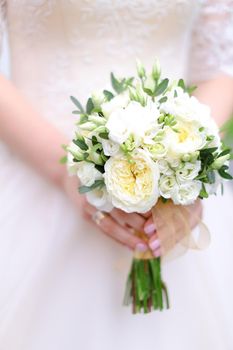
(154, 244)
(141, 247)
(157, 253)
(150, 229)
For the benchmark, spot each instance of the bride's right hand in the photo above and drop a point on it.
(117, 224)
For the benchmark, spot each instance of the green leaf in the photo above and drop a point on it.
(208, 150)
(94, 140)
(222, 172)
(63, 160)
(224, 152)
(161, 87)
(96, 184)
(163, 99)
(108, 94)
(181, 84)
(190, 89)
(100, 168)
(81, 144)
(104, 135)
(76, 112)
(90, 106)
(117, 85)
(77, 104)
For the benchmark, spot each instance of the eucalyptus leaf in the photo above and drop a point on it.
(77, 104)
(108, 94)
(90, 106)
(161, 87)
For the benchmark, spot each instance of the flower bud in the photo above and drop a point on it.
(219, 162)
(140, 69)
(98, 98)
(156, 70)
(90, 126)
(95, 118)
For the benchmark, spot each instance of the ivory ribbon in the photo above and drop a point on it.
(174, 231)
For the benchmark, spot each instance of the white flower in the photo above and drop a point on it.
(133, 120)
(110, 148)
(167, 185)
(164, 167)
(87, 173)
(98, 98)
(119, 101)
(187, 139)
(99, 198)
(186, 193)
(188, 171)
(133, 186)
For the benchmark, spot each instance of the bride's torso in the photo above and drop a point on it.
(64, 47)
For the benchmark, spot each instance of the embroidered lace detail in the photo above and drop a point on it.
(212, 42)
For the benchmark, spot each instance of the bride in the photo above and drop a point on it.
(61, 278)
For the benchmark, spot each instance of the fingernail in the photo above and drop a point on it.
(141, 247)
(157, 253)
(154, 244)
(149, 229)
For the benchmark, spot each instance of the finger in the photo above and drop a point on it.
(133, 220)
(112, 229)
(149, 226)
(147, 214)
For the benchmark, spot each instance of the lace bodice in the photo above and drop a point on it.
(63, 47)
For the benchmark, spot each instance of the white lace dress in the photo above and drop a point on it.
(62, 281)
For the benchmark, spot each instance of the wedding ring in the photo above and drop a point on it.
(98, 216)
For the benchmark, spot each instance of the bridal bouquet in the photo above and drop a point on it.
(142, 147)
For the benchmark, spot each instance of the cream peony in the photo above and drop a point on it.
(87, 173)
(134, 120)
(132, 185)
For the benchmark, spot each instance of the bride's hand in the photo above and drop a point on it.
(117, 224)
(195, 214)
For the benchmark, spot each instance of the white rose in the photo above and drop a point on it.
(133, 120)
(167, 185)
(188, 171)
(100, 199)
(133, 186)
(110, 148)
(88, 174)
(119, 101)
(164, 167)
(187, 192)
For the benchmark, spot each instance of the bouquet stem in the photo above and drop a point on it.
(145, 289)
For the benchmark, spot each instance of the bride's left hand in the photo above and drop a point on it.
(195, 214)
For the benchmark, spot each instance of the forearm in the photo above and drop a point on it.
(28, 134)
(218, 94)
